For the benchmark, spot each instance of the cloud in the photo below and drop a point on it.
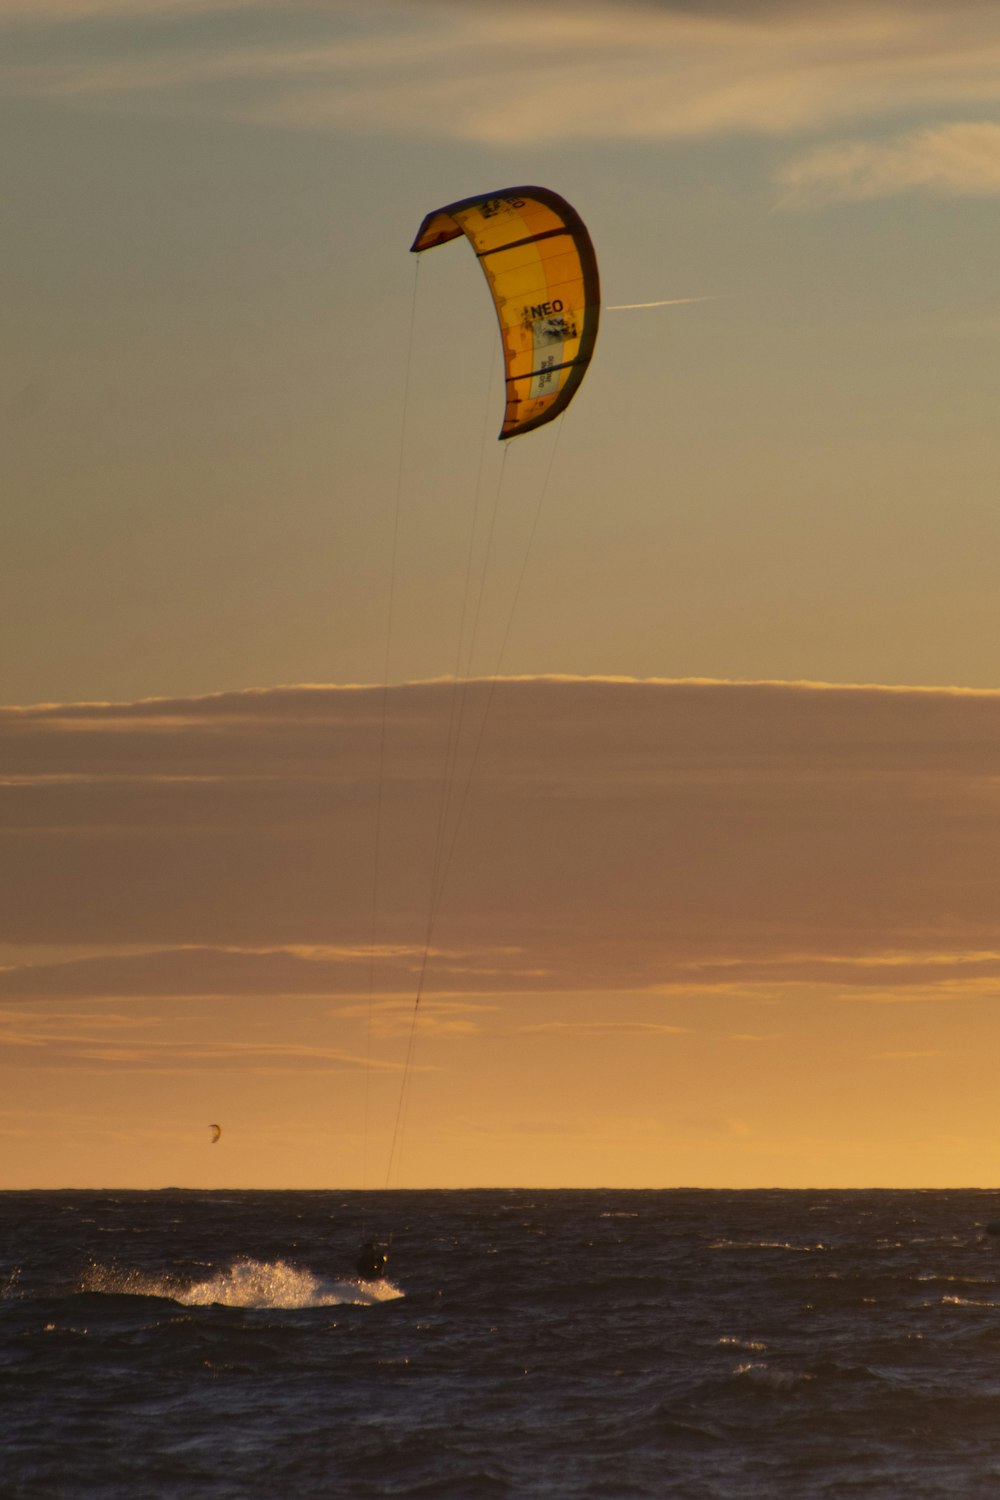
(442, 1018)
(915, 1055)
(616, 1027)
(235, 1052)
(43, 12)
(957, 160)
(518, 73)
(672, 837)
(57, 1046)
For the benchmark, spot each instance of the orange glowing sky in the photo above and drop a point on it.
(713, 914)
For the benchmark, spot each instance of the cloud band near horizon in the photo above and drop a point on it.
(626, 835)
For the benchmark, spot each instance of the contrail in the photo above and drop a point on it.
(667, 302)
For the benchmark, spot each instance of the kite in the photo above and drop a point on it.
(542, 271)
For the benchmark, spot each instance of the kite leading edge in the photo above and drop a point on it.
(542, 271)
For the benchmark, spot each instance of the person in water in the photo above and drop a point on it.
(371, 1262)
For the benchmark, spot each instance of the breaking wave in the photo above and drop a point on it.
(244, 1283)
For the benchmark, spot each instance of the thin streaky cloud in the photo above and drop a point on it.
(64, 1051)
(47, 12)
(392, 1008)
(607, 1028)
(98, 1067)
(666, 302)
(910, 1056)
(443, 1018)
(954, 992)
(47, 1021)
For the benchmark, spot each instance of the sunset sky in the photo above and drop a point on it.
(720, 888)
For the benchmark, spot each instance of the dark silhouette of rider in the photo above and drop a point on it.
(371, 1262)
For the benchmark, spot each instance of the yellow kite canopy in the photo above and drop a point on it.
(540, 264)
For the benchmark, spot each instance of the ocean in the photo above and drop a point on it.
(182, 1345)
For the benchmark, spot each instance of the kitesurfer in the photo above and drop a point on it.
(371, 1262)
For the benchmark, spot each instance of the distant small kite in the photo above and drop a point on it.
(216, 1133)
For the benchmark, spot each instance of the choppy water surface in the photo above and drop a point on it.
(525, 1344)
